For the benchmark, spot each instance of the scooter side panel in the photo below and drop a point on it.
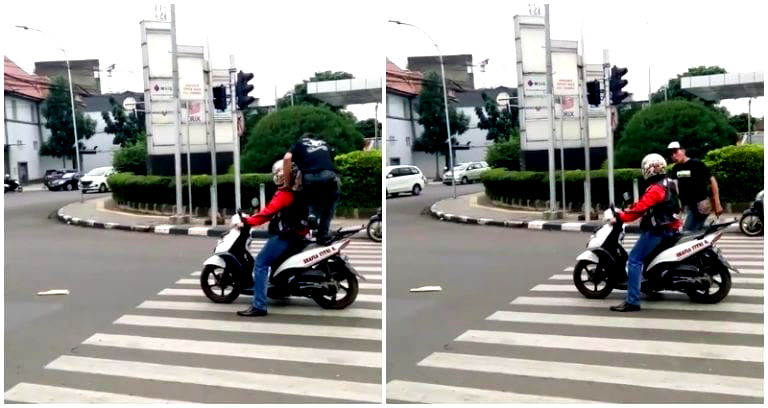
(588, 256)
(680, 252)
(216, 261)
(308, 258)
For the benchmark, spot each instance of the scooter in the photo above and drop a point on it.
(319, 272)
(12, 185)
(688, 263)
(374, 227)
(751, 223)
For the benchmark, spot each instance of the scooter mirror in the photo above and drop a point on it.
(255, 202)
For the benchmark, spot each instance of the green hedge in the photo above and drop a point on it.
(738, 170)
(360, 177)
(504, 185)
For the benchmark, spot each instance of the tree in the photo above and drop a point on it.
(675, 92)
(366, 127)
(273, 135)
(57, 111)
(132, 157)
(698, 128)
(125, 127)
(739, 122)
(505, 154)
(431, 109)
(500, 123)
(300, 96)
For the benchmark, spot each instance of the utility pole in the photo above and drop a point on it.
(608, 123)
(189, 164)
(235, 136)
(584, 117)
(562, 156)
(551, 98)
(177, 103)
(212, 140)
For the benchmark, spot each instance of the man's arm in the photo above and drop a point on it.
(715, 196)
(287, 164)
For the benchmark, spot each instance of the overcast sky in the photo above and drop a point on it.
(670, 36)
(281, 42)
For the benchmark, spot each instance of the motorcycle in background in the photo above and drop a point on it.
(751, 223)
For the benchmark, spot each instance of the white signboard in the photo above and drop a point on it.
(191, 80)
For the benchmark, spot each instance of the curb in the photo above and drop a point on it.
(215, 232)
(538, 224)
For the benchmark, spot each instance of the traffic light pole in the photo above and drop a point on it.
(585, 135)
(235, 136)
(608, 124)
(212, 140)
(550, 95)
(177, 110)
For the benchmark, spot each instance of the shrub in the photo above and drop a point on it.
(504, 155)
(738, 170)
(360, 174)
(132, 158)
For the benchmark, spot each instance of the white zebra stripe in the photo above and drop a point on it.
(199, 293)
(424, 393)
(361, 285)
(250, 326)
(637, 377)
(603, 344)
(243, 350)
(47, 394)
(310, 310)
(314, 387)
(724, 306)
(709, 326)
(571, 288)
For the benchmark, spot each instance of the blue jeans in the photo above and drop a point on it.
(647, 242)
(694, 221)
(272, 250)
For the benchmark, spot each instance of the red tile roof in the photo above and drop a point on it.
(403, 81)
(17, 81)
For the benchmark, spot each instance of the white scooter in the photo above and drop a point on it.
(319, 272)
(688, 263)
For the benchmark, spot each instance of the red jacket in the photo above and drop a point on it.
(282, 199)
(655, 194)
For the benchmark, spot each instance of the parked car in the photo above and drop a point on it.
(466, 172)
(61, 179)
(96, 180)
(404, 179)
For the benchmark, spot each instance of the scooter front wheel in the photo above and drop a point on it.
(751, 225)
(374, 230)
(591, 279)
(219, 284)
(344, 296)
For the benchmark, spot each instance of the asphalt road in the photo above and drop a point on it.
(99, 347)
(508, 324)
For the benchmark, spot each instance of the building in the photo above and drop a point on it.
(99, 149)
(474, 142)
(23, 125)
(85, 73)
(458, 68)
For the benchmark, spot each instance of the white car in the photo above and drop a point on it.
(404, 179)
(96, 180)
(466, 172)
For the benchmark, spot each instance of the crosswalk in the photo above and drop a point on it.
(178, 347)
(552, 345)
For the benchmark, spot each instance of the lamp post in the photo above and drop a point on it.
(445, 101)
(71, 96)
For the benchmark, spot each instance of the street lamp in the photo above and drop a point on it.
(445, 101)
(71, 95)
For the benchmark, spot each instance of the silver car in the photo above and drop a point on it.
(466, 172)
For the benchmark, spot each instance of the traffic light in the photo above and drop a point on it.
(242, 89)
(617, 95)
(593, 93)
(220, 97)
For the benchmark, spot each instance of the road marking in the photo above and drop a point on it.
(538, 224)
(257, 351)
(724, 306)
(571, 288)
(712, 326)
(47, 394)
(424, 393)
(361, 269)
(313, 387)
(636, 377)
(162, 229)
(744, 272)
(201, 231)
(571, 226)
(735, 278)
(309, 310)
(652, 347)
(365, 298)
(244, 326)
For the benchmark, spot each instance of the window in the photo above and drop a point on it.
(414, 170)
(407, 140)
(34, 145)
(394, 161)
(14, 113)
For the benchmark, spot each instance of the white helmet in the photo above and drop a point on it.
(277, 172)
(653, 165)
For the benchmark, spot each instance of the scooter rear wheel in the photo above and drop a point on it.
(591, 279)
(348, 288)
(219, 284)
(721, 284)
(374, 230)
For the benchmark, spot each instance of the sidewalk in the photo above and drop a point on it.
(92, 213)
(471, 209)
